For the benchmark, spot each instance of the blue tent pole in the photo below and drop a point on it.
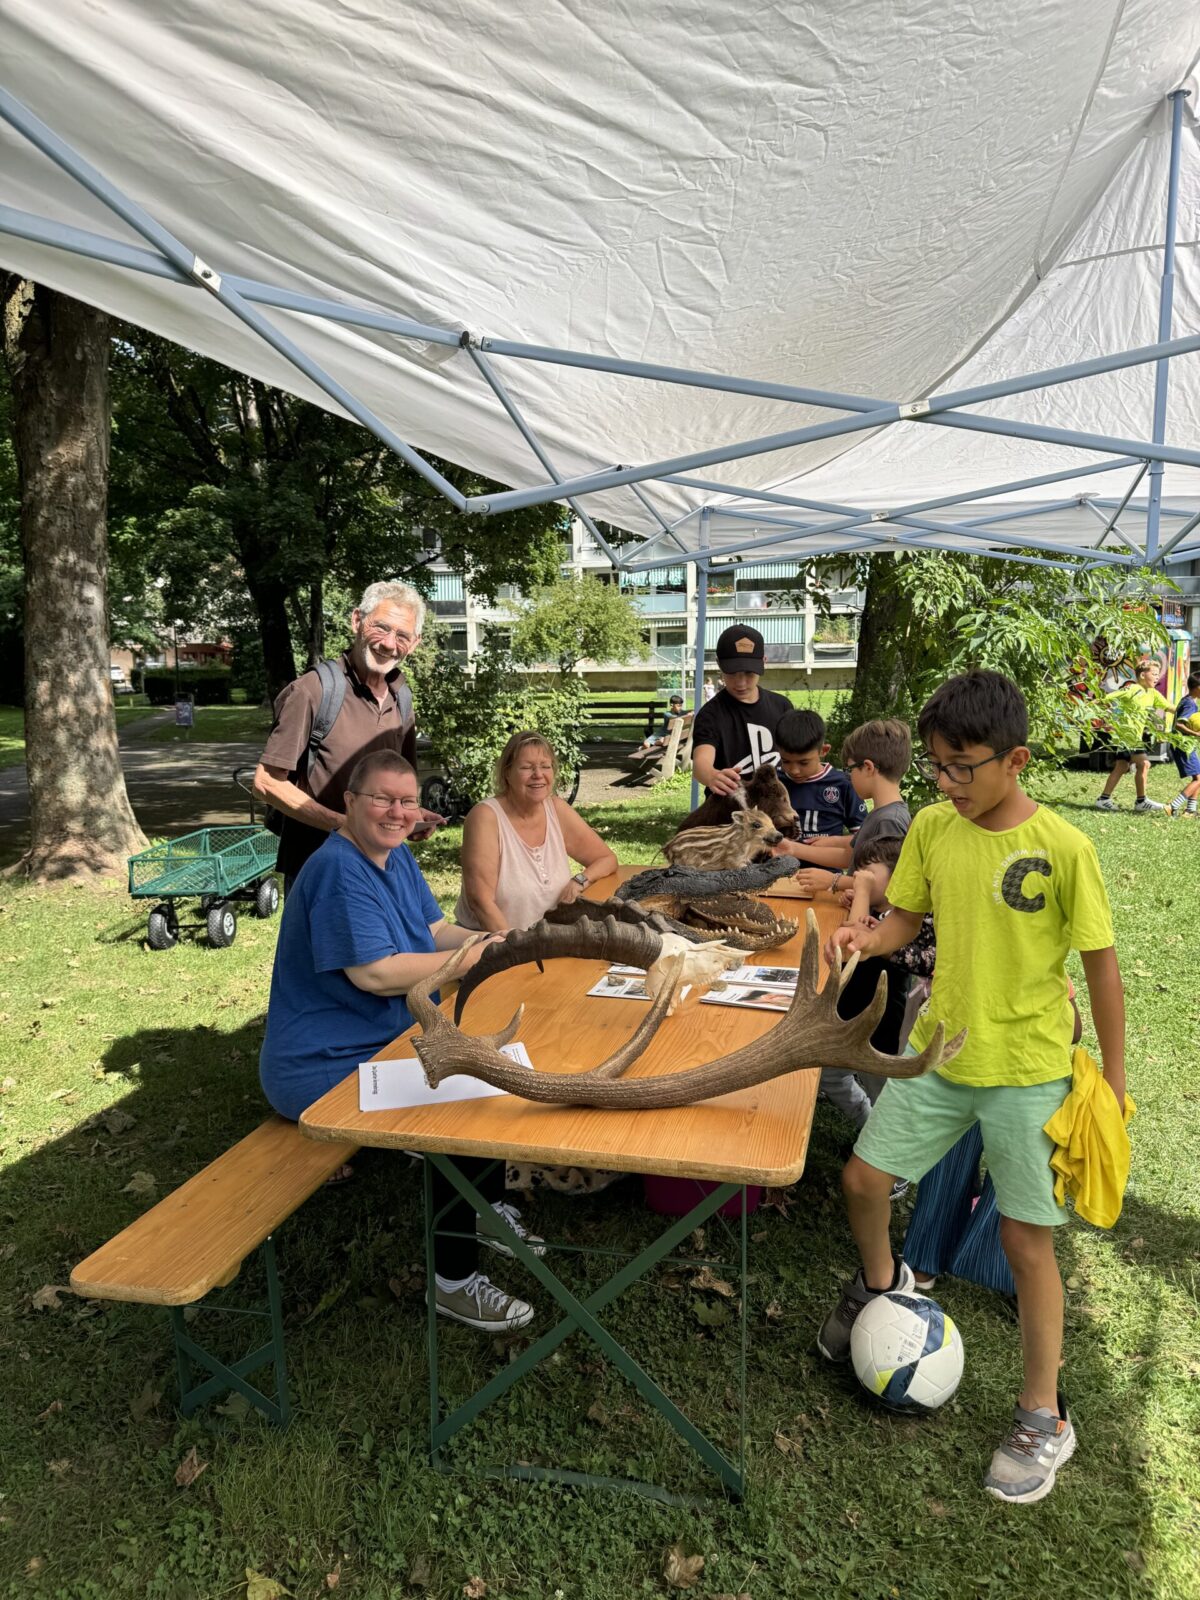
(187, 262)
(701, 627)
(1166, 296)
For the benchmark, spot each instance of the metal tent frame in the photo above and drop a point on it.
(773, 519)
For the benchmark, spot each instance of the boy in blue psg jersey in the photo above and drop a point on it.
(823, 797)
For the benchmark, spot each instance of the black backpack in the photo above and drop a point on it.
(333, 692)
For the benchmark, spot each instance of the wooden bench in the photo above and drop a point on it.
(647, 713)
(196, 1239)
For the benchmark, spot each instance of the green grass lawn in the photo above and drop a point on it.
(116, 1061)
(12, 727)
(217, 724)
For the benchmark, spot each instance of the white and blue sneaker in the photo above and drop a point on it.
(1025, 1466)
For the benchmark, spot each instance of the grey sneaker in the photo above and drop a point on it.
(1105, 803)
(899, 1189)
(833, 1341)
(1024, 1467)
(1146, 804)
(480, 1304)
(512, 1216)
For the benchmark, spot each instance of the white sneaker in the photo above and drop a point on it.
(1146, 804)
(480, 1304)
(512, 1216)
(1106, 803)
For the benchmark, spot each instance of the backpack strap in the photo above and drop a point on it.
(333, 692)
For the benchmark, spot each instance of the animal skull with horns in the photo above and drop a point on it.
(809, 1034)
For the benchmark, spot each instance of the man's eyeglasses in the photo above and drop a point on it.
(385, 802)
(397, 634)
(960, 772)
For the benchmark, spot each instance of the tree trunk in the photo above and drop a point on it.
(880, 687)
(270, 599)
(316, 621)
(57, 351)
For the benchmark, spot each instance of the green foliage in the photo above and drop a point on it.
(209, 686)
(577, 619)
(468, 715)
(1036, 624)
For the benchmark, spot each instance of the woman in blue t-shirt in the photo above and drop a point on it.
(359, 928)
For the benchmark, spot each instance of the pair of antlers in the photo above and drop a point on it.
(809, 1034)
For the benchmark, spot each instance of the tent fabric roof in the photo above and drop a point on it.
(868, 199)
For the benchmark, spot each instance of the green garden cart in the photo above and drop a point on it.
(216, 865)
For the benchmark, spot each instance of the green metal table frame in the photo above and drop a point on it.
(189, 1353)
(582, 1315)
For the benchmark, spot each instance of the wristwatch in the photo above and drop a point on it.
(581, 878)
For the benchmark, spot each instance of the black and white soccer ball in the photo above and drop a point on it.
(906, 1352)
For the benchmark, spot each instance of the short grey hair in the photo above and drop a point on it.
(391, 592)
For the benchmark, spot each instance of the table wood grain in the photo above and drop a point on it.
(757, 1135)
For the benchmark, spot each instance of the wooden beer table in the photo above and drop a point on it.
(755, 1136)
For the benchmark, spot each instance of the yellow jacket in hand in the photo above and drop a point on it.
(1091, 1154)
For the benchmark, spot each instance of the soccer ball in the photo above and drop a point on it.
(906, 1352)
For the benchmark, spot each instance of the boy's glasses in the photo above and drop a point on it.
(960, 772)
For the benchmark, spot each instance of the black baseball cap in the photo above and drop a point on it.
(740, 649)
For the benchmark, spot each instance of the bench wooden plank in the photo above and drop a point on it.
(195, 1238)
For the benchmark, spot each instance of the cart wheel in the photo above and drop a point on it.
(436, 795)
(207, 901)
(222, 925)
(266, 898)
(162, 930)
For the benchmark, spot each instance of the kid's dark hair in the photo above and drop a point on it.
(882, 853)
(887, 743)
(1193, 682)
(799, 732)
(976, 708)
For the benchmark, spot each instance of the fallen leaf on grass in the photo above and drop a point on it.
(116, 1120)
(786, 1446)
(1135, 1559)
(46, 1298)
(778, 1200)
(146, 1402)
(51, 1000)
(7, 1085)
(260, 1587)
(33, 1566)
(475, 1588)
(710, 1313)
(773, 1312)
(332, 1579)
(938, 1508)
(705, 1279)
(597, 1414)
(420, 1573)
(681, 1571)
(55, 1405)
(186, 1473)
(68, 1095)
(142, 1183)
(59, 1468)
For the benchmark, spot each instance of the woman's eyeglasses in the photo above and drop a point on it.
(384, 802)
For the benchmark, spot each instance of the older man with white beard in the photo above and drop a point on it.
(332, 715)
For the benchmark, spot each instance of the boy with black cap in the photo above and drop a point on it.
(735, 732)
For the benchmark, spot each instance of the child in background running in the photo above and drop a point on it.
(1143, 698)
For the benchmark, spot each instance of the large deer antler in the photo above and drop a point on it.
(809, 1034)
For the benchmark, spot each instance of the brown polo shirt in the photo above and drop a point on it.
(363, 724)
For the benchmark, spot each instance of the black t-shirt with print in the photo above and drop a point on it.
(742, 736)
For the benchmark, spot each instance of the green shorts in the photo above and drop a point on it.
(916, 1120)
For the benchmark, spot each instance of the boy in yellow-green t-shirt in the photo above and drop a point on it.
(1012, 888)
(1143, 700)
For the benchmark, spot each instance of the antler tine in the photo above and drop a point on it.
(615, 1065)
(593, 938)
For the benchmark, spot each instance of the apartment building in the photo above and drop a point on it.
(803, 645)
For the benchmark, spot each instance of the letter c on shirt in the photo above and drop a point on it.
(1012, 887)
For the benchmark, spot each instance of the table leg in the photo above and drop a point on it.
(581, 1315)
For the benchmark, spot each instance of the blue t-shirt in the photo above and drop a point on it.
(826, 804)
(343, 911)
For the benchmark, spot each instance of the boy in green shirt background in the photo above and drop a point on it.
(1143, 700)
(1012, 887)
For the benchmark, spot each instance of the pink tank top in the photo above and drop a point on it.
(530, 878)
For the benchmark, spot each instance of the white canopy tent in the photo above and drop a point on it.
(538, 244)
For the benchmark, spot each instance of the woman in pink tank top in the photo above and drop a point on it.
(518, 847)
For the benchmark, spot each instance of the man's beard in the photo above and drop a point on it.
(377, 663)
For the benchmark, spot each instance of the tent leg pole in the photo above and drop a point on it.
(1166, 297)
(701, 626)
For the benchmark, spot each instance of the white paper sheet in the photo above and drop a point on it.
(395, 1085)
